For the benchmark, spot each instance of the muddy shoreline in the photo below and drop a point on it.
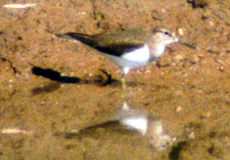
(189, 90)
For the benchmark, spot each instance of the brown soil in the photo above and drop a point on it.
(188, 89)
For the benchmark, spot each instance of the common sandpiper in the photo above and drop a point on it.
(129, 49)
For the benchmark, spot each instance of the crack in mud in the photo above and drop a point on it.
(11, 64)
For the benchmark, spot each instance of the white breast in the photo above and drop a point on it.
(139, 55)
(159, 50)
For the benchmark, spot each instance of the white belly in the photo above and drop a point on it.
(139, 55)
(139, 123)
(159, 50)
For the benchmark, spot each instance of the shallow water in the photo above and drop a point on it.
(187, 89)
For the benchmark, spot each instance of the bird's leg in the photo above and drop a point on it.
(123, 82)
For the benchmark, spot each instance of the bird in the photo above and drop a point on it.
(129, 49)
(130, 121)
(146, 124)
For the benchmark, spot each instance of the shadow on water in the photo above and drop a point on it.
(175, 152)
(48, 88)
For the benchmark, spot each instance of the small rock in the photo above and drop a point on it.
(194, 59)
(163, 63)
(179, 108)
(179, 57)
(180, 31)
(191, 135)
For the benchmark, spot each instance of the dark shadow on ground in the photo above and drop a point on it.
(97, 80)
(54, 75)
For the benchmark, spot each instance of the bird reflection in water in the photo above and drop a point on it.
(129, 120)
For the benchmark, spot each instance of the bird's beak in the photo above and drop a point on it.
(176, 39)
(187, 44)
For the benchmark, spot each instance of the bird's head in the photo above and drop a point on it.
(164, 36)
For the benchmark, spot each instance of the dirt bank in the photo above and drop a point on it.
(188, 89)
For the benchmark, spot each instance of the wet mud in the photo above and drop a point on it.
(49, 85)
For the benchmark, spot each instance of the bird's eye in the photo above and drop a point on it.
(167, 33)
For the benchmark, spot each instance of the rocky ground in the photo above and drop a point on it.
(49, 85)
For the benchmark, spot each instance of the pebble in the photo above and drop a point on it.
(179, 57)
(191, 135)
(181, 31)
(179, 108)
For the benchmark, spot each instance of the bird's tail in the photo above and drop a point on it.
(71, 36)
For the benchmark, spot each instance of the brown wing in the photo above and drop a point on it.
(110, 43)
